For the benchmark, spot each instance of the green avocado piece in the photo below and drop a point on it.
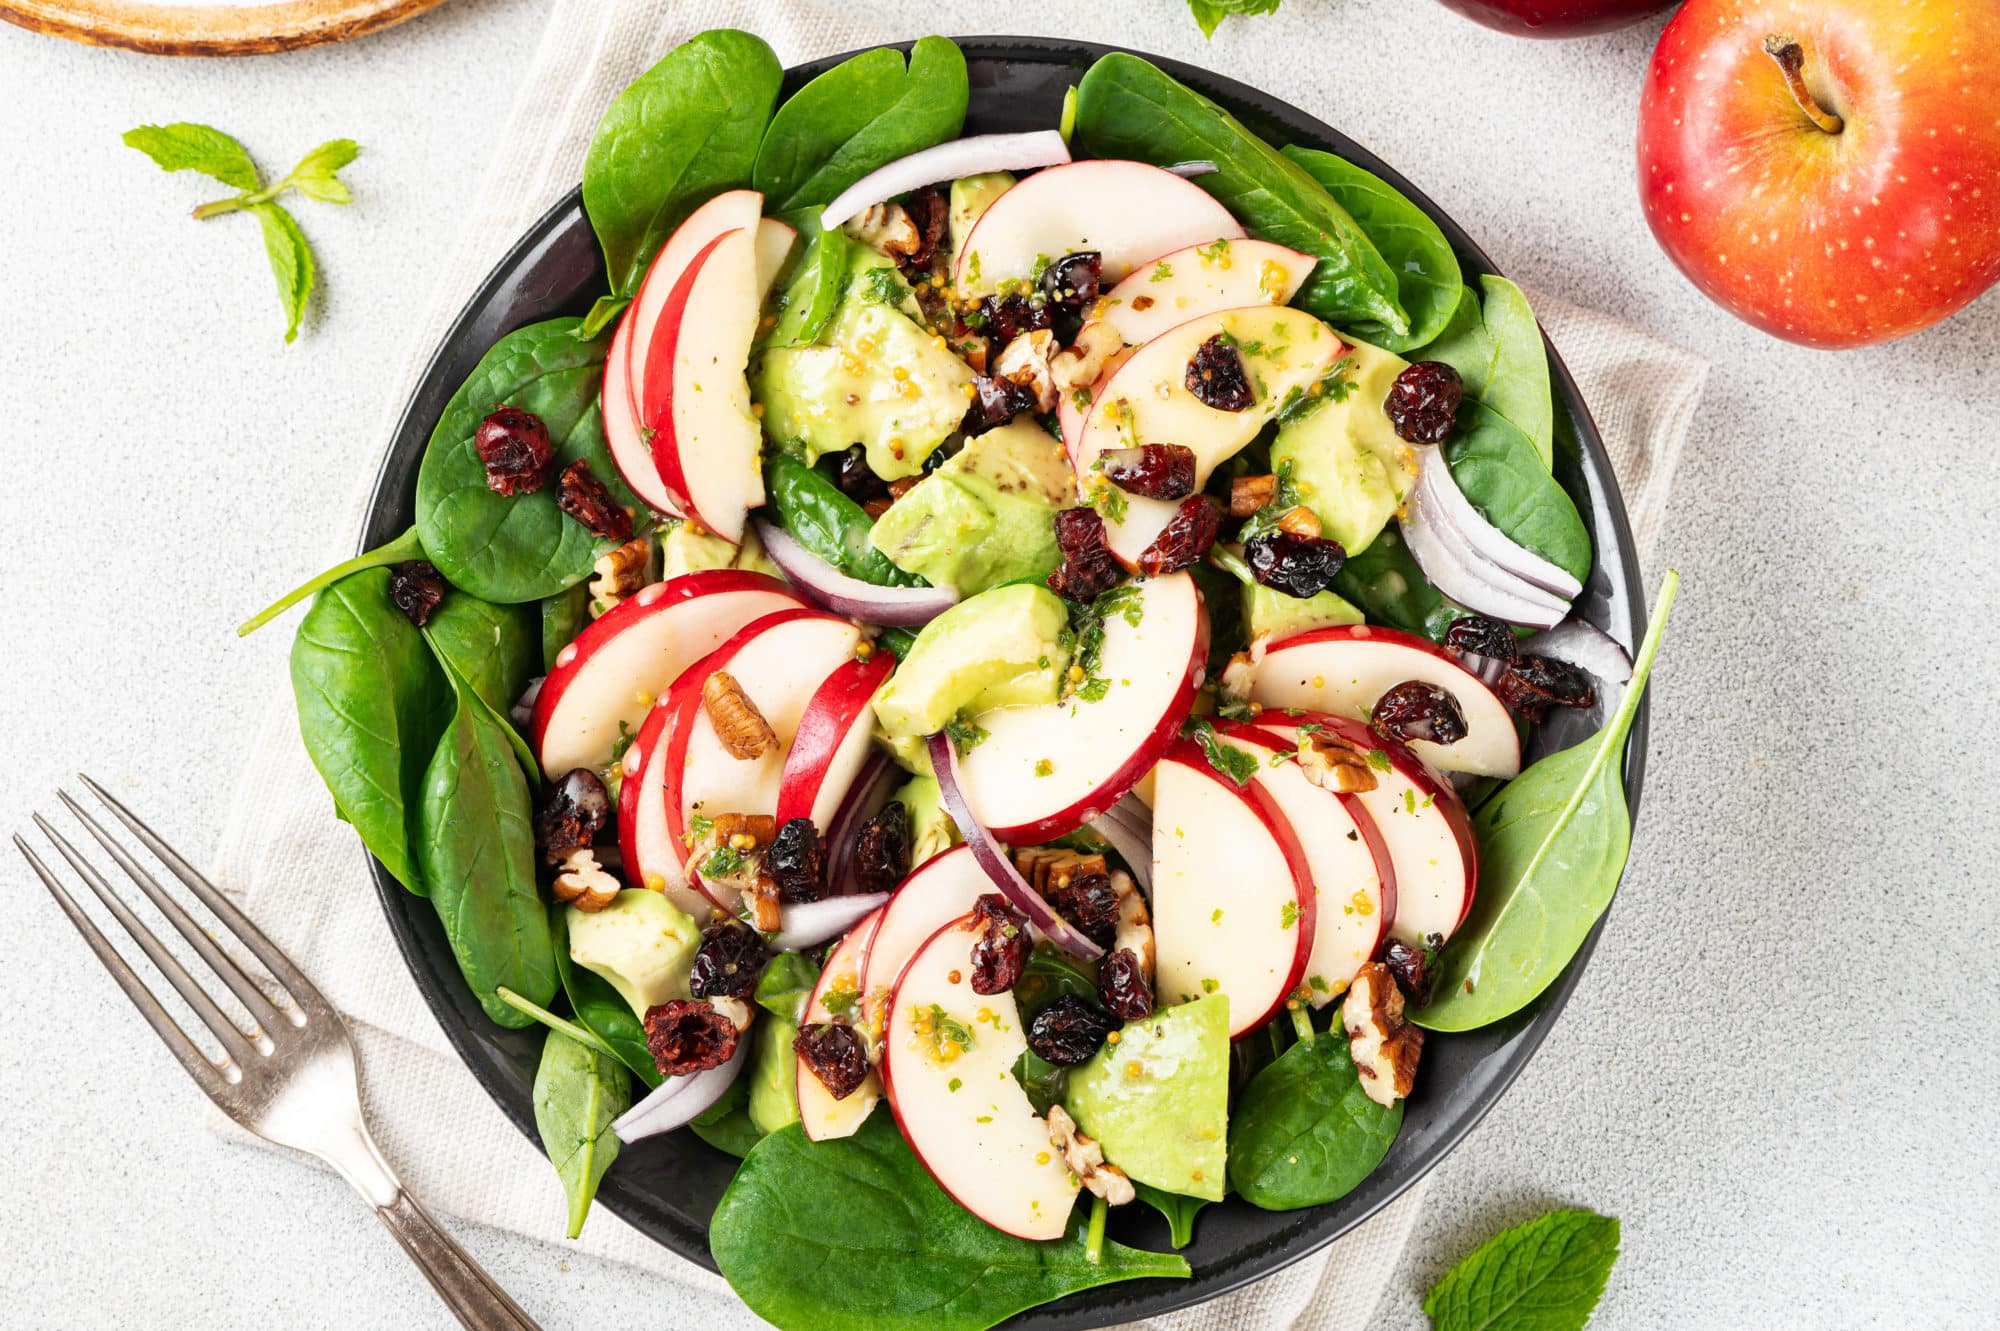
(1350, 467)
(1168, 1125)
(640, 943)
(1001, 648)
(971, 196)
(1274, 615)
(931, 830)
(684, 548)
(985, 517)
(774, 1076)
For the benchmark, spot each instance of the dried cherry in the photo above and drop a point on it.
(1298, 566)
(1122, 984)
(586, 499)
(726, 965)
(417, 588)
(995, 401)
(1068, 1031)
(796, 861)
(1417, 710)
(1007, 317)
(929, 213)
(686, 1036)
(1000, 953)
(857, 479)
(882, 849)
(1156, 471)
(1533, 684)
(1476, 635)
(1423, 402)
(834, 1054)
(573, 812)
(513, 445)
(1217, 378)
(1072, 282)
(1090, 904)
(1185, 539)
(1414, 966)
(1088, 567)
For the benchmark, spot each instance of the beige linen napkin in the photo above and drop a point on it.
(300, 872)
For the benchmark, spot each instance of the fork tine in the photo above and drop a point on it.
(259, 1004)
(234, 1042)
(303, 991)
(212, 1079)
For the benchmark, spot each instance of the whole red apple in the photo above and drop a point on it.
(1828, 170)
(1556, 18)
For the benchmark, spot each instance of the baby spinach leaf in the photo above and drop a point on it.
(1179, 1211)
(726, 1124)
(828, 523)
(1126, 107)
(1497, 348)
(1051, 973)
(493, 648)
(564, 615)
(786, 984)
(1552, 844)
(681, 133)
(1304, 1132)
(887, 1248)
(599, 1008)
(404, 547)
(578, 1091)
(1501, 473)
(371, 702)
(516, 547)
(1546, 1275)
(863, 113)
(476, 848)
(1045, 1082)
(449, 655)
(812, 284)
(602, 314)
(1427, 277)
(1386, 584)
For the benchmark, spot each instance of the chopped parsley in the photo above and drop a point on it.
(1287, 498)
(1108, 500)
(1230, 761)
(1087, 625)
(1336, 385)
(1081, 399)
(722, 862)
(1161, 272)
(965, 736)
(1209, 986)
(881, 286)
(840, 1002)
(954, 1084)
(1215, 252)
(1289, 916)
(1237, 709)
(1409, 799)
(1379, 759)
(625, 737)
(1283, 756)
(1216, 916)
(1093, 689)
(1043, 767)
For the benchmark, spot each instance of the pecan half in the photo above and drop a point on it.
(1247, 494)
(1051, 867)
(744, 732)
(1384, 1045)
(1332, 763)
(583, 884)
(619, 572)
(1085, 1159)
(1299, 520)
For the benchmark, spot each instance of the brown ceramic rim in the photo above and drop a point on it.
(209, 29)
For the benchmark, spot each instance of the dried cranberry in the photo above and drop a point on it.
(1156, 471)
(1068, 1031)
(586, 499)
(1299, 566)
(1476, 635)
(1007, 317)
(1091, 905)
(1185, 539)
(857, 479)
(1000, 953)
(1123, 985)
(573, 812)
(1533, 684)
(1088, 567)
(1074, 281)
(995, 401)
(1414, 966)
(417, 587)
(835, 1055)
(929, 212)
(1416, 710)
(686, 1036)
(513, 446)
(882, 849)
(1217, 378)
(1423, 402)
(728, 962)
(797, 861)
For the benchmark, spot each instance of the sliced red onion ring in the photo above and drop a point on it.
(994, 861)
(864, 799)
(947, 161)
(830, 589)
(523, 711)
(810, 923)
(1484, 539)
(1189, 170)
(1130, 841)
(679, 1101)
(1585, 646)
(1456, 569)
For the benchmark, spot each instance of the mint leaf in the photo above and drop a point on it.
(1546, 1275)
(291, 262)
(1210, 13)
(191, 147)
(315, 177)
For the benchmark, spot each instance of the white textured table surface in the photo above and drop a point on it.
(1780, 1071)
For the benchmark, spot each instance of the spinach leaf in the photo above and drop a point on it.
(1128, 108)
(726, 1124)
(1386, 584)
(599, 1008)
(863, 113)
(1179, 1210)
(1050, 974)
(1546, 1275)
(476, 848)
(887, 1249)
(786, 984)
(1498, 351)
(371, 703)
(1427, 276)
(602, 314)
(811, 286)
(404, 547)
(826, 522)
(578, 1091)
(1045, 1082)
(564, 615)
(517, 547)
(1552, 844)
(1305, 1132)
(1501, 473)
(493, 648)
(682, 132)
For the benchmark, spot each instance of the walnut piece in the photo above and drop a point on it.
(620, 572)
(1025, 363)
(735, 1010)
(1385, 1047)
(889, 228)
(1135, 923)
(1238, 676)
(1085, 1159)
(744, 732)
(582, 883)
(1078, 367)
(1247, 494)
(1332, 763)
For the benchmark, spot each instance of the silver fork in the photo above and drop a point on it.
(293, 1077)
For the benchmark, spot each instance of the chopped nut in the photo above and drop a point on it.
(1085, 1159)
(889, 229)
(762, 899)
(1333, 763)
(1385, 1047)
(1047, 867)
(1247, 494)
(1299, 521)
(734, 1009)
(1025, 363)
(582, 883)
(877, 506)
(1135, 923)
(903, 485)
(1079, 366)
(761, 828)
(744, 732)
(1238, 676)
(620, 572)
(1125, 977)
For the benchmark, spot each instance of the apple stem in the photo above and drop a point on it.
(1791, 58)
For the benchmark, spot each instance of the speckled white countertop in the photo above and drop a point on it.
(1780, 1070)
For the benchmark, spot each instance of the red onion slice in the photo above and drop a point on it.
(679, 1101)
(1585, 646)
(1189, 170)
(522, 713)
(865, 798)
(946, 161)
(810, 923)
(1456, 569)
(993, 859)
(1135, 844)
(830, 589)
(1485, 540)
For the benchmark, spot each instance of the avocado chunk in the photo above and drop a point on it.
(986, 516)
(774, 1076)
(1274, 615)
(931, 830)
(685, 548)
(971, 196)
(1351, 469)
(1001, 648)
(639, 943)
(1168, 1125)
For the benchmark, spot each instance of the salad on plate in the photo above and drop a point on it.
(988, 677)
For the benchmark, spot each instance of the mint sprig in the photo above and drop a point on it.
(207, 150)
(1210, 13)
(1546, 1275)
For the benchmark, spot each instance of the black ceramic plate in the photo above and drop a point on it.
(668, 1186)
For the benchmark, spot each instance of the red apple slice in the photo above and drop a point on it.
(1045, 770)
(1422, 822)
(1353, 873)
(1165, 292)
(735, 210)
(774, 246)
(623, 436)
(940, 890)
(603, 683)
(1127, 211)
(959, 1106)
(1072, 410)
(1344, 670)
(822, 1116)
(834, 739)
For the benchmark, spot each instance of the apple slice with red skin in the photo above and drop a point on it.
(961, 1109)
(624, 438)
(822, 1116)
(1421, 820)
(1233, 902)
(1353, 874)
(1048, 769)
(774, 246)
(1346, 669)
(834, 739)
(602, 684)
(733, 210)
(1198, 280)
(937, 892)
